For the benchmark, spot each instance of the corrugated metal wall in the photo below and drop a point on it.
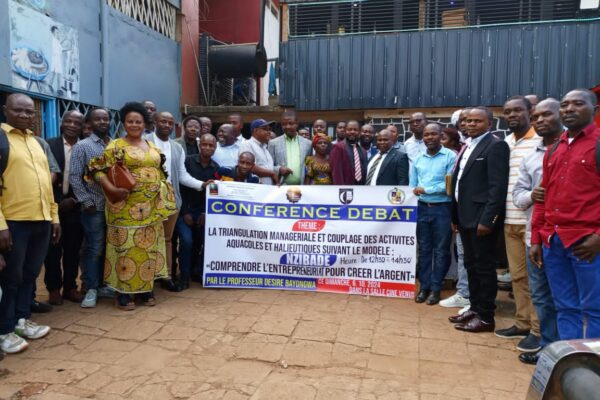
(445, 68)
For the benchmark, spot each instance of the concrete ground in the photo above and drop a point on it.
(258, 344)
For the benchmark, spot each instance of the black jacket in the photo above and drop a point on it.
(483, 185)
(394, 170)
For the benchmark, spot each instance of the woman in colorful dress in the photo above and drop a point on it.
(135, 245)
(318, 169)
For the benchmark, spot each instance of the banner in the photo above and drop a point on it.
(357, 240)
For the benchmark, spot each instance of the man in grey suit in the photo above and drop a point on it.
(177, 174)
(290, 150)
(389, 166)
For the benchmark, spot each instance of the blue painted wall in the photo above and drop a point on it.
(139, 62)
(142, 64)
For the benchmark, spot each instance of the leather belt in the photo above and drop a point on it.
(425, 204)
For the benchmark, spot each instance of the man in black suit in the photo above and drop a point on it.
(480, 182)
(389, 166)
(68, 247)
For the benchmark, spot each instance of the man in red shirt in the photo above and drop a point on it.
(567, 223)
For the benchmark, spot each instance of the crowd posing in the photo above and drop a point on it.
(131, 210)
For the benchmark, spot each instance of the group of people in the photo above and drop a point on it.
(533, 196)
(535, 191)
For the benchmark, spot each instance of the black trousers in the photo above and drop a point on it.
(23, 264)
(480, 263)
(67, 249)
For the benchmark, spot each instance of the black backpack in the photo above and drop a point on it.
(552, 150)
(4, 150)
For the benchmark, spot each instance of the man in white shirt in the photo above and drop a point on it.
(176, 172)
(415, 145)
(237, 122)
(264, 166)
(228, 150)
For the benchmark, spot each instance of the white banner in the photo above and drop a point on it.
(355, 239)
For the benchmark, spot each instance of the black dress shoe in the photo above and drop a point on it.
(40, 308)
(170, 285)
(462, 318)
(422, 296)
(183, 285)
(433, 298)
(529, 358)
(476, 325)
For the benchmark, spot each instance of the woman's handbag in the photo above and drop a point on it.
(119, 175)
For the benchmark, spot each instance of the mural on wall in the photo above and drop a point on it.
(39, 5)
(44, 53)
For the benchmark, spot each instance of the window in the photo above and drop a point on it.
(368, 16)
(158, 15)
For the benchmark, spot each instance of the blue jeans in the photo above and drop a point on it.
(541, 297)
(462, 285)
(92, 261)
(434, 234)
(575, 288)
(189, 240)
(23, 263)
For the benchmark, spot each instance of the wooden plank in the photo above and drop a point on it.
(422, 11)
(285, 22)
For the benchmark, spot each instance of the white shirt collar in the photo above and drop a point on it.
(67, 143)
(478, 139)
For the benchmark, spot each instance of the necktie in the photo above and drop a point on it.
(371, 172)
(65, 186)
(357, 168)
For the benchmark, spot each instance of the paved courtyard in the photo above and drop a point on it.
(258, 344)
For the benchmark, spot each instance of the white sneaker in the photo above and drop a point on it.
(455, 301)
(30, 330)
(90, 298)
(11, 343)
(505, 277)
(464, 310)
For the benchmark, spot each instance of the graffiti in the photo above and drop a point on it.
(44, 53)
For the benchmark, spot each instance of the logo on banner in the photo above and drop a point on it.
(396, 196)
(293, 194)
(213, 189)
(346, 196)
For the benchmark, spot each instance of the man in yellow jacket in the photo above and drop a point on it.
(28, 222)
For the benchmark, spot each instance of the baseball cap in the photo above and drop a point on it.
(259, 123)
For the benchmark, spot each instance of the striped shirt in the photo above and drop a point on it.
(518, 150)
(87, 193)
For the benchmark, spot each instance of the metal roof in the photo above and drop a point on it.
(446, 68)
